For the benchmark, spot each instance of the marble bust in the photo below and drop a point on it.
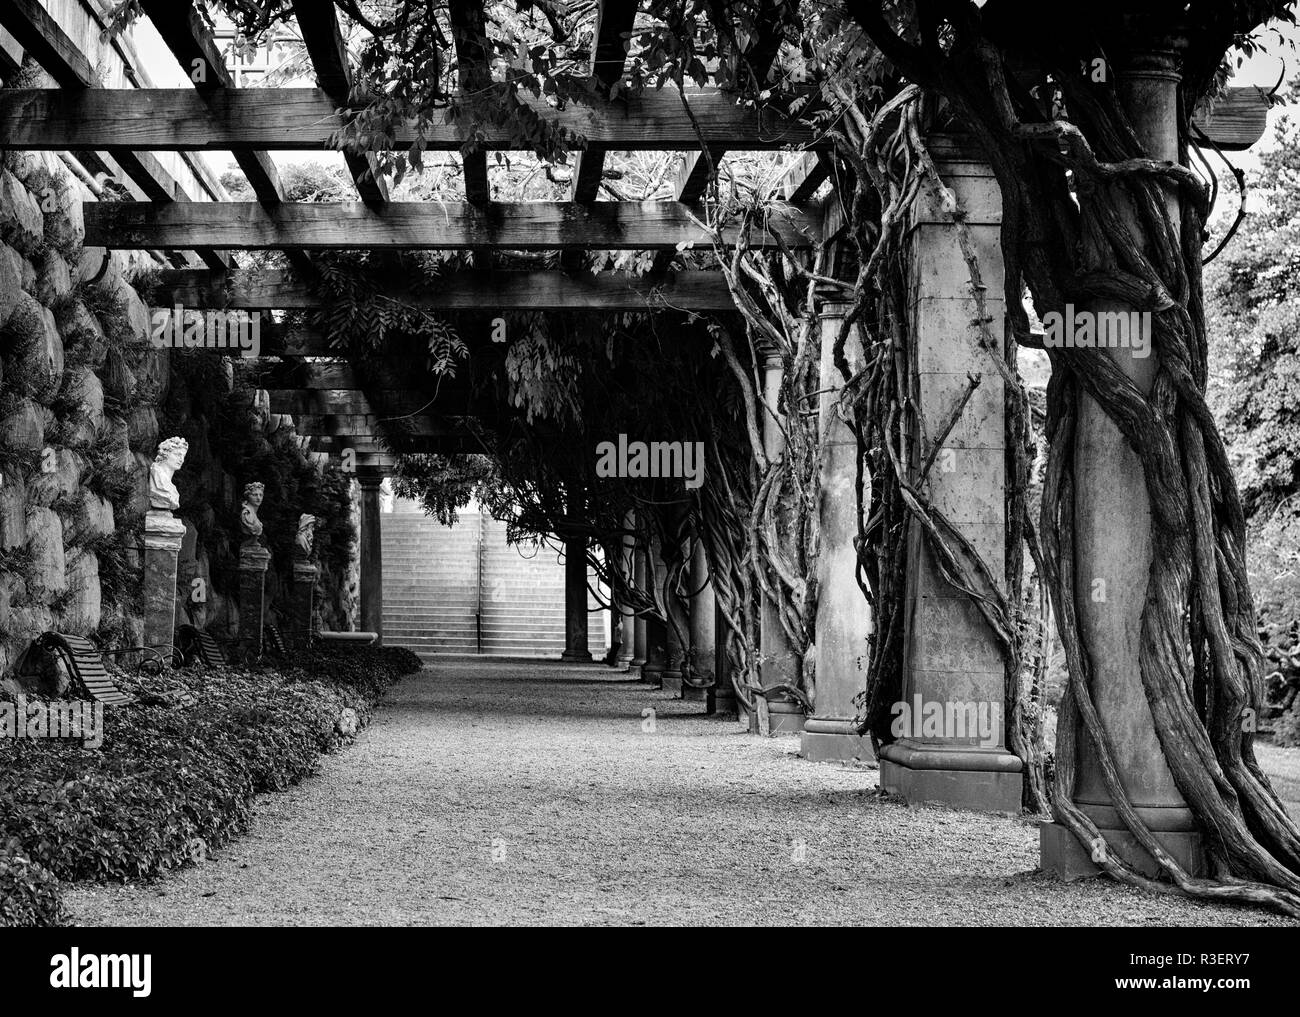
(162, 490)
(306, 538)
(249, 524)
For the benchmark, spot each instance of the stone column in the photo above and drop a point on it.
(953, 665)
(163, 534)
(704, 609)
(843, 616)
(779, 662)
(372, 555)
(655, 629)
(304, 588)
(721, 700)
(639, 624)
(677, 635)
(1112, 564)
(627, 649)
(575, 603)
(253, 562)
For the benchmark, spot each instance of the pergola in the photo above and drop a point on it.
(328, 403)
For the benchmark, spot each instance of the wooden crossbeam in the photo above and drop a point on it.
(693, 176)
(364, 447)
(192, 44)
(533, 226)
(42, 37)
(475, 75)
(805, 176)
(469, 291)
(304, 119)
(369, 425)
(614, 20)
(319, 25)
(187, 36)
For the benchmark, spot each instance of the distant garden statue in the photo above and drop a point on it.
(249, 524)
(162, 490)
(306, 538)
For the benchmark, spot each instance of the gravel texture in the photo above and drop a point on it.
(490, 792)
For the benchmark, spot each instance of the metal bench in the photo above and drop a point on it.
(85, 667)
(196, 644)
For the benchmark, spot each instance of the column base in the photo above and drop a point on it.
(722, 704)
(834, 739)
(1061, 854)
(576, 657)
(783, 718)
(652, 676)
(671, 682)
(976, 779)
(694, 694)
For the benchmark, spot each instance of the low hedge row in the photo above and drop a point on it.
(177, 771)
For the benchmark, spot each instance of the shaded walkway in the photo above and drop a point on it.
(493, 792)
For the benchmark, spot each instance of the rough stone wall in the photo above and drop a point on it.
(77, 394)
(84, 400)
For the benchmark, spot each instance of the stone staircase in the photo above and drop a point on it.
(437, 578)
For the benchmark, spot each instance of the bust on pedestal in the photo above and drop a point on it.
(162, 543)
(253, 561)
(304, 580)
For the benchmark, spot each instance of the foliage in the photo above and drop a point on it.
(177, 771)
(29, 892)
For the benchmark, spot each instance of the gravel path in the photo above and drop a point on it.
(487, 792)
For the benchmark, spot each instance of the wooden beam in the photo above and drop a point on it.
(42, 37)
(305, 119)
(693, 176)
(319, 25)
(11, 55)
(474, 69)
(614, 19)
(196, 51)
(805, 176)
(1237, 120)
(363, 447)
(532, 226)
(369, 425)
(188, 37)
(467, 291)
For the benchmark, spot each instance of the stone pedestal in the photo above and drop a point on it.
(163, 534)
(950, 654)
(372, 556)
(253, 562)
(575, 603)
(779, 663)
(304, 588)
(1112, 565)
(843, 616)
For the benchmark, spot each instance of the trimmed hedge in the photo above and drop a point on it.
(177, 771)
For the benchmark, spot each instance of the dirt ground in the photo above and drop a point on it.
(492, 792)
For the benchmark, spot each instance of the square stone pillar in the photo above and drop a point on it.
(372, 555)
(163, 534)
(253, 562)
(576, 650)
(304, 590)
(952, 661)
(642, 571)
(843, 615)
